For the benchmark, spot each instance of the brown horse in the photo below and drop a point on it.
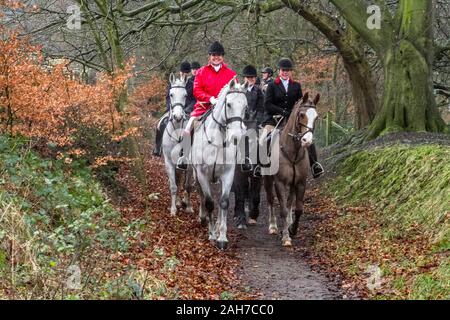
(290, 179)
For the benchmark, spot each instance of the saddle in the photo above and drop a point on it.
(163, 121)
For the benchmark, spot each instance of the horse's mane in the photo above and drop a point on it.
(226, 88)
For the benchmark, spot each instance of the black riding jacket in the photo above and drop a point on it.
(255, 99)
(278, 102)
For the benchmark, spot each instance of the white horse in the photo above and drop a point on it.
(171, 145)
(214, 155)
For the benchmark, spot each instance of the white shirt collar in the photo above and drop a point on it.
(217, 68)
(249, 88)
(285, 83)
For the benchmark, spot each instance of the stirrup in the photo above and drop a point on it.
(182, 164)
(317, 170)
(247, 165)
(257, 172)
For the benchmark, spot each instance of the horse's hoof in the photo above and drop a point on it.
(203, 222)
(252, 222)
(173, 213)
(222, 245)
(183, 204)
(287, 243)
(242, 226)
(273, 231)
(189, 210)
(292, 232)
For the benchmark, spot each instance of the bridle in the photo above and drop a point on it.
(227, 120)
(171, 119)
(232, 119)
(298, 134)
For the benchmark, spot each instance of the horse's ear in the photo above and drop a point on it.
(305, 98)
(245, 85)
(172, 79)
(316, 99)
(233, 83)
(184, 79)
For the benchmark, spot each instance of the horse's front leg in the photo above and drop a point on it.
(255, 187)
(281, 192)
(179, 180)
(227, 182)
(240, 187)
(268, 186)
(171, 173)
(298, 207)
(188, 190)
(207, 204)
(289, 204)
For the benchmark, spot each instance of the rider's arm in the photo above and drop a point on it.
(199, 89)
(300, 92)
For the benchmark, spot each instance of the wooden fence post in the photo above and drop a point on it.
(328, 128)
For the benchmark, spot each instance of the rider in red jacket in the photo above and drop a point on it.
(209, 80)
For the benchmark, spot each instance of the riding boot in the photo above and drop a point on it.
(247, 165)
(316, 168)
(257, 173)
(182, 162)
(158, 138)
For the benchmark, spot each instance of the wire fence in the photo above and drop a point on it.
(328, 132)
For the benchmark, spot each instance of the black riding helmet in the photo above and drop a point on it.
(249, 71)
(285, 64)
(195, 65)
(216, 48)
(185, 67)
(268, 70)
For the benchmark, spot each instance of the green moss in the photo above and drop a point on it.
(433, 285)
(409, 189)
(408, 185)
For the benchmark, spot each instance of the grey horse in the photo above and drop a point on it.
(214, 155)
(171, 146)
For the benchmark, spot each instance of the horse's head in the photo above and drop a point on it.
(177, 95)
(233, 101)
(306, 116)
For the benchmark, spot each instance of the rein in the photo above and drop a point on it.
(227, 120)
(180, 136)
(297, 136)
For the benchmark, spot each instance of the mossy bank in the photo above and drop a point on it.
(397, 219)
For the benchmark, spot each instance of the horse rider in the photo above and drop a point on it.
(255, 97)
(185, 71)
(267, 74)
(280, 98)
(194, 68)
(209, 81)
(248, 186)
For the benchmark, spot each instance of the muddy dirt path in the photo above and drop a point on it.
(275, 272)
